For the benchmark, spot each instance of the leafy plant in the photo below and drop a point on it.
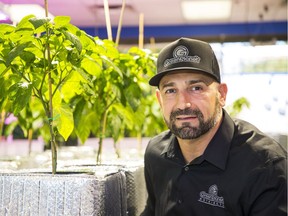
(73, 83)
(237, 106)
(38, 58)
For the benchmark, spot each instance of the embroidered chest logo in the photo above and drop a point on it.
(180, 54)
(212, 198)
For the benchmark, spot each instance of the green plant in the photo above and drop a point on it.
(39, 58)
(116, 101)
(237, 106)
(73, 83)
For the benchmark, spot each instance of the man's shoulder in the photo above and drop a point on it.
(257, 144)
(159, 142)
(165, 135)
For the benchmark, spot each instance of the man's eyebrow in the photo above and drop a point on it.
(206, 82)
(168, 84)
(189, 82)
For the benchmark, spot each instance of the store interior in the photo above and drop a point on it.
(249, 38)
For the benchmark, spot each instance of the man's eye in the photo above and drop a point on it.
(196, 88)
(170, 91)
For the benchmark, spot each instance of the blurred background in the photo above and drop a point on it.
(249, 38)
(164, 20)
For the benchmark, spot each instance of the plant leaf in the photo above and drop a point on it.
(28, 57)
(83, 129)
(38, 22)
(73, 39)
(63, 118)
(91, 66)
(22, 94)
(61, 21)
(24, 24)
(6, 28)
(16, 51)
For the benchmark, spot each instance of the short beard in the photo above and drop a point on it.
(186, 131)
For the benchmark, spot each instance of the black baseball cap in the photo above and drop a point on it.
(186, 54)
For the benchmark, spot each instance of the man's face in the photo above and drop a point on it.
(191, 103)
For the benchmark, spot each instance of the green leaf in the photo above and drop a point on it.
(78, 111)
(38, 22)
(110, 49)
(83, 74)
(73, 39)
(72, 87)
(83, 129)
(20, 94)
(57, 99)
(6, 28)
(91, 66)
(28, 57)
(110, 63)
(87, 41)
(126, 113)
(4, 92)
(71, 28)
(115, 126)
(63, 119)
(24, 23)
(61, 21)
(16, 51)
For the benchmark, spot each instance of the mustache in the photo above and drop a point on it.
(186, 111)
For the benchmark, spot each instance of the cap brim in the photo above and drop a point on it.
(155, 80)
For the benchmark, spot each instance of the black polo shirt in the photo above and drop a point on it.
(242, 172)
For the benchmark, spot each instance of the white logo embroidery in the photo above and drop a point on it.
(212, 198)
(180, 54)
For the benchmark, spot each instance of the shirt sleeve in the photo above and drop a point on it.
(266, 191)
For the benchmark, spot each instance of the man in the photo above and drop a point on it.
(207, 164)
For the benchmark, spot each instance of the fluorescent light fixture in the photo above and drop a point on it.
(4, 18)
(206, 9)
(17, 11)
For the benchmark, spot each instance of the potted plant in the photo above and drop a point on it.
(71, 82)
(74, 82)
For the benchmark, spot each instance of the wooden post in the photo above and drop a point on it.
(120, 23)
(141, 30)
(107, 19)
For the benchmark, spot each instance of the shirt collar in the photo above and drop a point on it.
(218, 149)
(216, 152)
(171, 146)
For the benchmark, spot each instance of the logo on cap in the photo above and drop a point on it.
(180, 54)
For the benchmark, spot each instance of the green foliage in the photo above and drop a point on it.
(237, 106)
(56, 75)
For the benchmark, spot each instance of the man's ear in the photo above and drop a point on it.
(158, 95)
(222, 89)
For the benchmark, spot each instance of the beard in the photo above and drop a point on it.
(186, 130)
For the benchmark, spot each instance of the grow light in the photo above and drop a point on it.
(206, 9)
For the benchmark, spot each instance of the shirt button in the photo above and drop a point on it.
(186, 168)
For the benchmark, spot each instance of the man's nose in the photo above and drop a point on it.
(184, 100)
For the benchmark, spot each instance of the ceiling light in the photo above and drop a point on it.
(17, 11)
(206, 9)
(4, 18)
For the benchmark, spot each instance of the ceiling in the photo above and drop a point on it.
(163, 20)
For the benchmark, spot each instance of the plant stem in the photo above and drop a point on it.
(2, 119)
(30, 134)
(53, 140)
(103, 123)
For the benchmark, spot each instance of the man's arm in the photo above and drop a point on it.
(266, 193)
